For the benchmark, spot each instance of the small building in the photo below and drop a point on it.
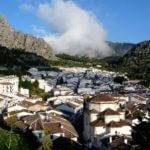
(9, 85)
(103, 117)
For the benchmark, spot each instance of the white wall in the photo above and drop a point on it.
(24, 92)
(93, 117)
(126, 130)
(9, 84)
(122, 115)
(103, 106)
(109, 118)
(99, 130)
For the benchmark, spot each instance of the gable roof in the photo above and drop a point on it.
(102, 98)
(110, 112)
(98, 122)
(121, 123)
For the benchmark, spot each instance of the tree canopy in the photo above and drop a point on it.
(11, 141)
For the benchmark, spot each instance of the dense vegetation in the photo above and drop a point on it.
(12, 141)
(141, 136)
(16, 61)
(76, 61)
(34, 89)
(136, 63)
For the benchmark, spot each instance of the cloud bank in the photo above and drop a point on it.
(76, 31)
(26, 7)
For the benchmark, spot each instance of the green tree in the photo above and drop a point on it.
(35, 84)
(11, 141)
(25, 84)
(141, 135)
(46, 143)
(11, 120)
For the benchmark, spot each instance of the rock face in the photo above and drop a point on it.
(18, 40)
(137, 61)
(139, 56)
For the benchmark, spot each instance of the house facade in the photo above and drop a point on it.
(9, 84)
(103, 118)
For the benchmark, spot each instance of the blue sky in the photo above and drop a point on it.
(124, 20)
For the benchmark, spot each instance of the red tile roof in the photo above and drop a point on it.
(102, 98)
(97, 123)
(110, 112)
(118, 124)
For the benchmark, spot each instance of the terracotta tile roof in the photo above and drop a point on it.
(69, 134)
(94, 111)
(97, 123)
(53, 127)
(41, 103)
(30, 119)
(6, 83)
(37, 125)
(102, 98)
(118, 124)
(26, 104)
(21, 125)
(68, 127)
(121, 110)
(53, 123)
(110, 112)
(38, 107)
(131, 107)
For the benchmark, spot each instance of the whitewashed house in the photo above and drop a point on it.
(104, 117)
(55, 124)
(9, 84)
(24, 92)
(70, 108)
(62, 90)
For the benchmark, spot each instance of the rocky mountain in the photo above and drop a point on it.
(137, 60)
(12, 39)
(120, 49)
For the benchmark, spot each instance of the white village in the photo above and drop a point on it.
(107, 110)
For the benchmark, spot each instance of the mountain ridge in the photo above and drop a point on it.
(119, 48)
(12, 39)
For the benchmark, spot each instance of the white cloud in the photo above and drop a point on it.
(26, 7)
(39, 31)
(77, 31)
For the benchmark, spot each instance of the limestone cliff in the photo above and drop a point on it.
(12, 39)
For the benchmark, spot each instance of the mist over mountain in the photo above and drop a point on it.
(13, 39)
(120, 49)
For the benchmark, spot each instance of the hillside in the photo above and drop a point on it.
(137, 61)
(120, 49)
(16, 61)
(17, 40)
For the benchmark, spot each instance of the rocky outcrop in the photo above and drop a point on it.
(11, 39)
(137, 62)
(138, 55)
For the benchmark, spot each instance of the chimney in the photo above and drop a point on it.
(110, 139)
(62, 127)
(126, 141)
